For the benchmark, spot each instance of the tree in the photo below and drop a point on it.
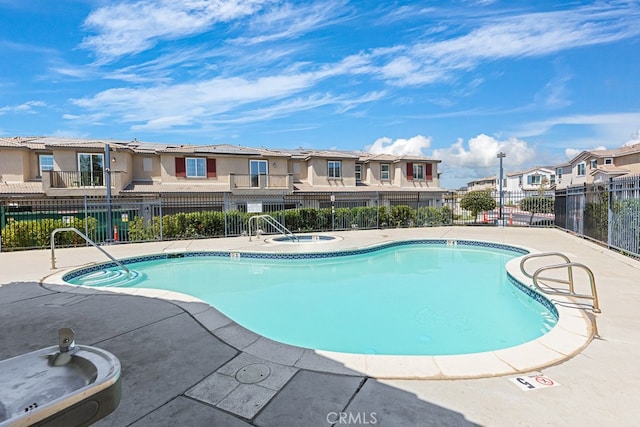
(537, 204)
(477, 201)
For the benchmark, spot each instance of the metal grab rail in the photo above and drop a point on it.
(272, 222)
(568, 264)
(91, 242)
(592, 282)
(566, 259)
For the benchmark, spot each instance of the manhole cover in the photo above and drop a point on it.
(252, 374)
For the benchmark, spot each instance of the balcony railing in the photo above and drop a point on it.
(76, 179)
(261, 182)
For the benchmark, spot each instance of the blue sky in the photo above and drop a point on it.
(457, 81)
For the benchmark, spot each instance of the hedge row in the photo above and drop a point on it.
(212, 223)
(37, 233)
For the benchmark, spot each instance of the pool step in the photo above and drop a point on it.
(112, 278)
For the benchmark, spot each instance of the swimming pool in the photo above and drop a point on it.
(419, 297)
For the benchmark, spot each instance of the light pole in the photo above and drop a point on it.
(501, 156)
(107, 170)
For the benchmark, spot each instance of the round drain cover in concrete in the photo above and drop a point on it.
(252, 374)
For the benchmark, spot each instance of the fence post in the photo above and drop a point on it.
(86, 220)
(377, 210)
(609, 212)
(333, 211)
(161, 236)
(224, 212)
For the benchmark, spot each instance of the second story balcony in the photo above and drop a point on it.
(253, 183)
(68, 183)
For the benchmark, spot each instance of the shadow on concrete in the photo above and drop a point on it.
(165, 352)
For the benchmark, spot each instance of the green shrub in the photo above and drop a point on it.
(402, 216)
(37, 233)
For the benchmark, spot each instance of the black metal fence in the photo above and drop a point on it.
(28, 223)
(608, 212)
(519, 208)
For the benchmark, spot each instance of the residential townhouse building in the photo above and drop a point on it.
(46, 168)
(481, 184)
(531, 180)
(598, 166)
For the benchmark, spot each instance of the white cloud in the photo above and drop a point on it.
(288, 21)
(570, 153)
(218, 100)
(413, 146)
(635, 139)
(481, 153)
(606, 128)
(512, 36)
(27, 107)
(133, 27)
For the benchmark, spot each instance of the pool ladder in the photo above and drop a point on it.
(84, 236)
(569, 266)
(272, 222)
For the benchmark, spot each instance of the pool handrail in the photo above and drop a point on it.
(84, 236)
(272, 222)
(569, 265)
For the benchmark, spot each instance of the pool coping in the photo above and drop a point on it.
(572, 333)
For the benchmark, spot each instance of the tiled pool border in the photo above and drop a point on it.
(302, 255)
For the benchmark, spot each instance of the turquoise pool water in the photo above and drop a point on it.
(404, 300)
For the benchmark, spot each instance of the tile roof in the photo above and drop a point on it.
(617, 152)
(50, 142)
(31, 187)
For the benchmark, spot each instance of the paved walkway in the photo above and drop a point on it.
(176, 372)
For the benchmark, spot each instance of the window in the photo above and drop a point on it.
(559, 172)
(46, 162)
(384, 172)
(91, 168)
(196, 167)
(258, 171)
(582, 169)
(147, 164)
(334, 169)
(608, 161)
(418, 171)
(534, 179)
(520, 181)
(593, 164)
(552, 180)
(358, 172)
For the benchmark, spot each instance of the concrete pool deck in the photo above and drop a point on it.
(176, 371)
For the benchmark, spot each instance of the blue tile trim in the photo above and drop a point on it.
(535, 295)
(307, 255)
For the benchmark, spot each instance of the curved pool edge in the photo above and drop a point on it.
(571, 334)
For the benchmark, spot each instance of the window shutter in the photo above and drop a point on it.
(529, 179)
(409, 171)
(211, 168)
(429, 172)
(181, 167)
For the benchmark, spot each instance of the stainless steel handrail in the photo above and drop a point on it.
(569, 281)
(272, 222)
(84, 236)
(592, 282)
(568, 264)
